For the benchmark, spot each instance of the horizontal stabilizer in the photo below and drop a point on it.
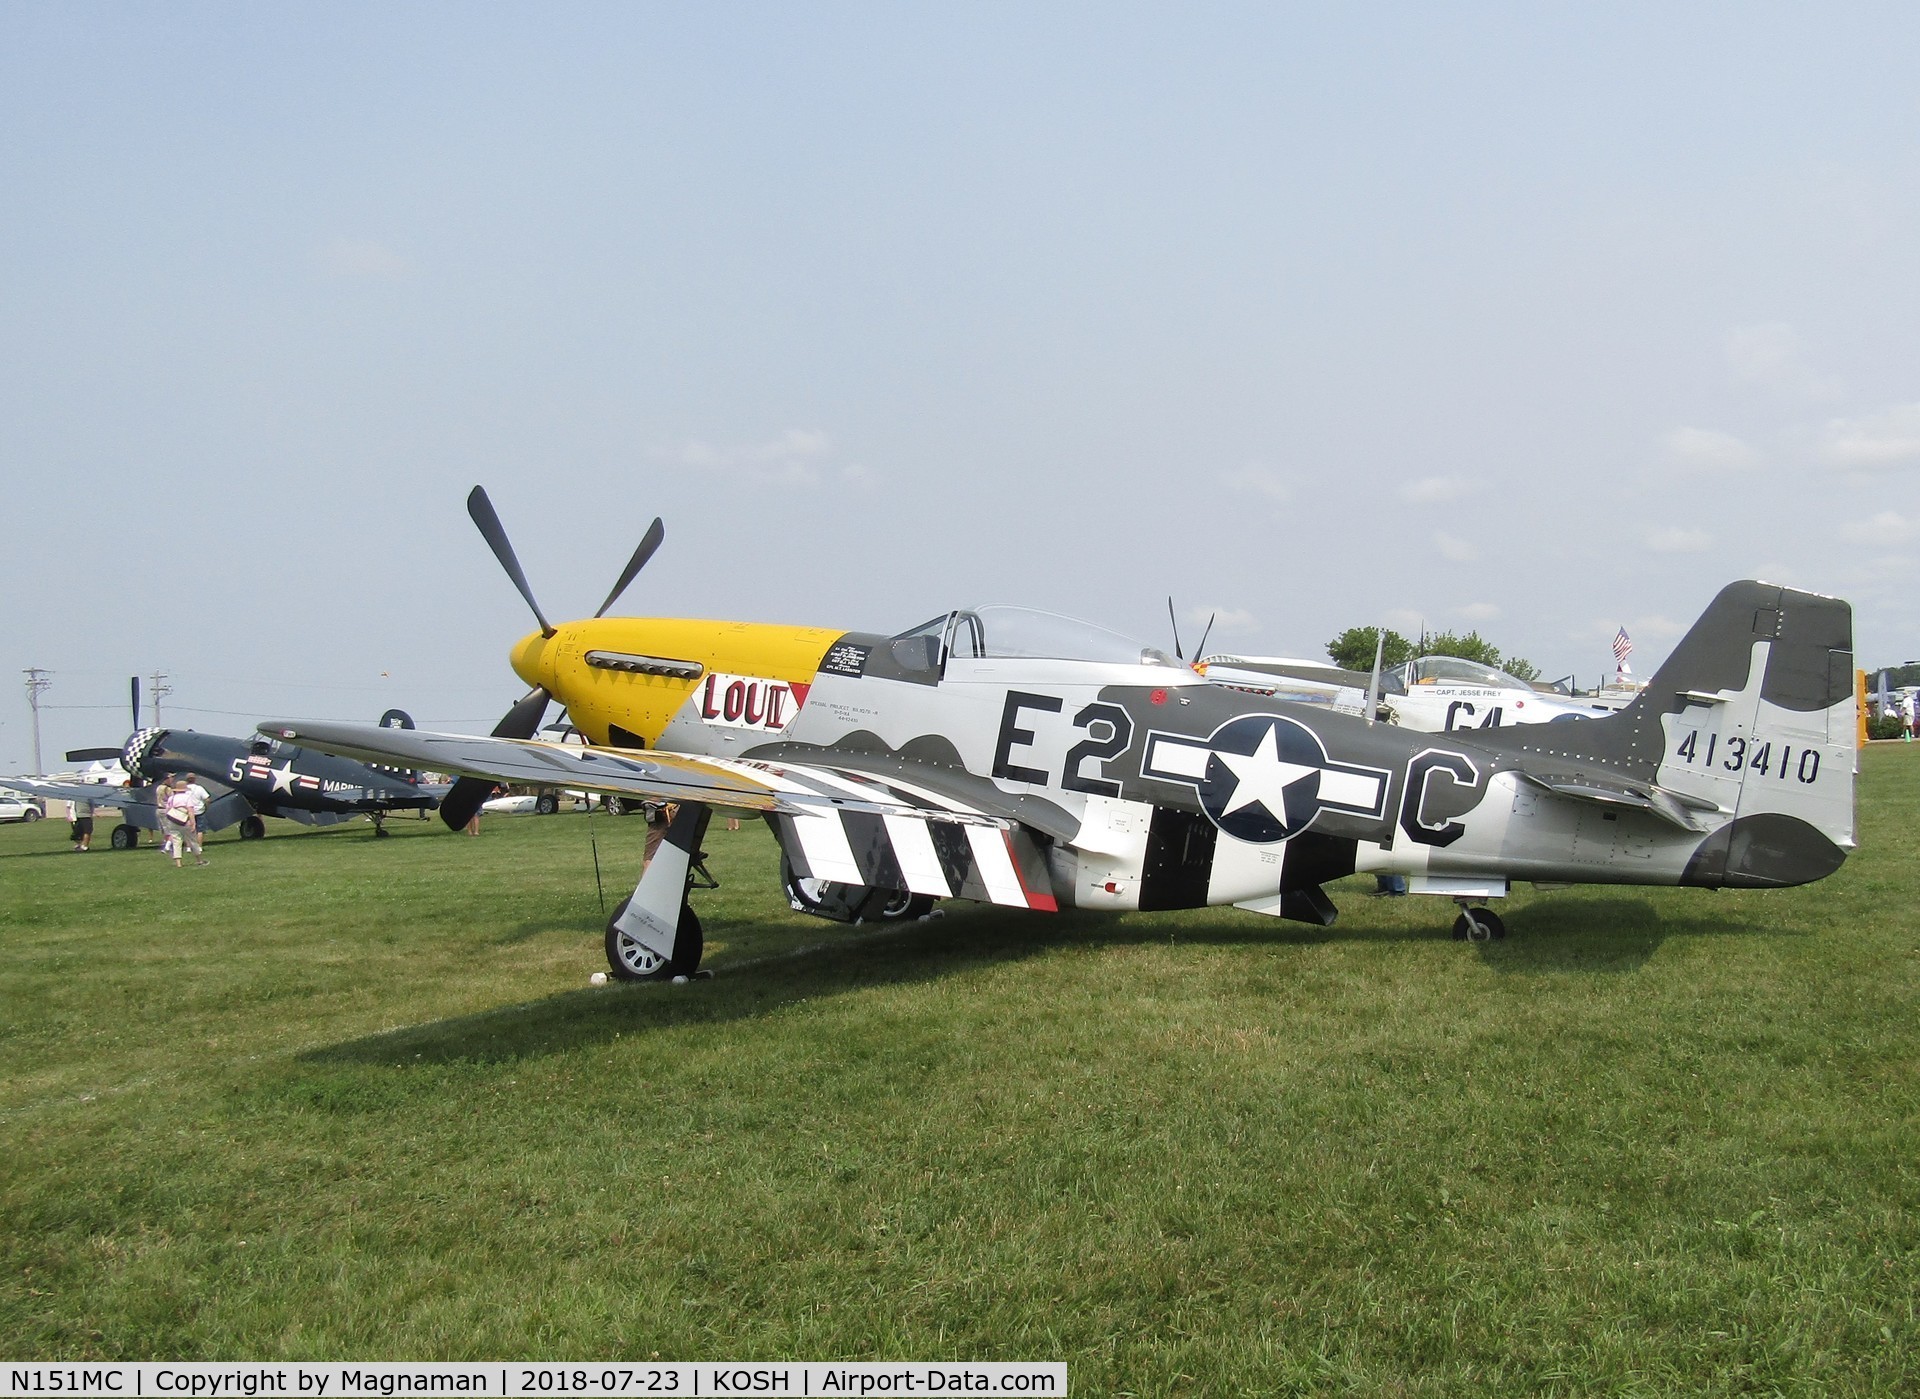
(1606, 790)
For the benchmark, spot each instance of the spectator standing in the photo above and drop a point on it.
(82, 826)
(175, 810)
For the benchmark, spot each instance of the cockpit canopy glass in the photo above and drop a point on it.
(1000, 630)
(1452, 670)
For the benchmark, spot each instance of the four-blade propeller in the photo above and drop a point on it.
(463, 800)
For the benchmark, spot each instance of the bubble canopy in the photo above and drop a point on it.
(1455, 670)
(1002, 630)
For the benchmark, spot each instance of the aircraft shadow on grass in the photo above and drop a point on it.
(1585, 935)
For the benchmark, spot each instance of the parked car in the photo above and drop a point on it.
(14, 807)
(517, 805)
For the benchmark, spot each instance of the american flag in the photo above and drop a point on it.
(1622, 647)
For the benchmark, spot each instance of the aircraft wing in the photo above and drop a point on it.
(100, 795)
(834, 824)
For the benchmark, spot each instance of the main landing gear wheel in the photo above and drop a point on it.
(253, 828)
(546, 804)
(1478, 925)
(850, 903)
(124, 837)
(632, 962)
(901, 906)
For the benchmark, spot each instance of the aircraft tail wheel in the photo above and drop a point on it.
(124, 837)
(1478, 925)
(630, 961)
(253, 828)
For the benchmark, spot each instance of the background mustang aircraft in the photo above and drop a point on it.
(1300, 681)
(1434, 694)
(245, 778)
(1009, 756)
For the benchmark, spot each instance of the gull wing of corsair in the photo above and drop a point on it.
(245, 778)
(1012, 757)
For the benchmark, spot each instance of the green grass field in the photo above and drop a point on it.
(333, 1097)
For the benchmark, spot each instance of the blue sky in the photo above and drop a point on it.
(1544, 320)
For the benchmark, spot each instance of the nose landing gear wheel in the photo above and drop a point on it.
(630, 961)
(1478, 925)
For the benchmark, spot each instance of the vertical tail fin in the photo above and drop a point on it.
(1754, 714)
(1749, 729)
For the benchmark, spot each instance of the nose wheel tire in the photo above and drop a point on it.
(631, 961)
(1478, 925)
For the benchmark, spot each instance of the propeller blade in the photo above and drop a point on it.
(136, 704)
(651, 541)
(92, 755)
(463, 799)
(1201, 649)
(1178, 655)
(482, 512)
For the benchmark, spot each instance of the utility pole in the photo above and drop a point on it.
(159, 687)
(37, 681)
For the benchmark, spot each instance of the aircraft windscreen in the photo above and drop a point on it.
(1006, 631)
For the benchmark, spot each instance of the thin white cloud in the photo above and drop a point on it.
(1262, 481)
(1647, 633)
(1772, 357)
(1705, 449)
(1454, 550)
(1655, 628)
(1676, 540)
(1480, 611)
(1876, 442)
(1403, 620)
(1437, 490)
(1227, 621)
(362, 259)
(1887, 530)
(793, 458)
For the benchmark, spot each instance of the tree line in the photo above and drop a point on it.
(1353, 650)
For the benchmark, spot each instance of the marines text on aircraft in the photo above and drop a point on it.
(1009, 756)
(246, 779)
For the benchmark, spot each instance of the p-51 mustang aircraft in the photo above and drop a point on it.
(1017, 758)
(1435, 694)
(246, 779)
